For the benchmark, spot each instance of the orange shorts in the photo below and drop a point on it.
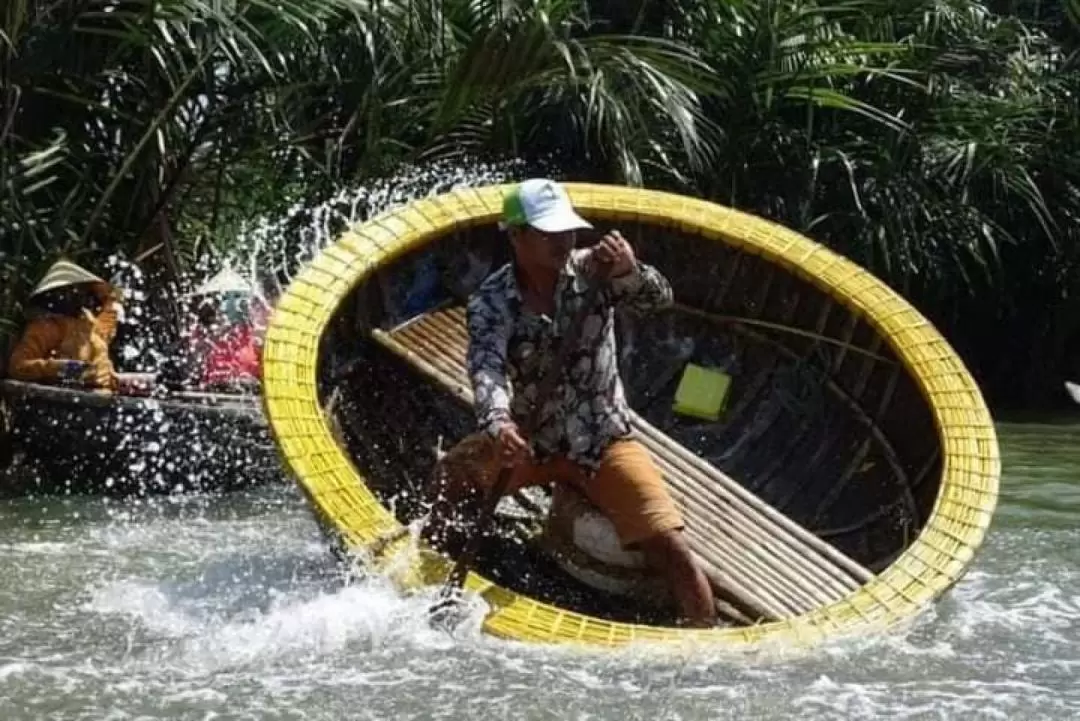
(627, 487)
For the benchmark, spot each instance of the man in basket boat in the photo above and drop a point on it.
(72, 320)
(583, 436)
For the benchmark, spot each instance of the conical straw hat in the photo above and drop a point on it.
(64, 273)
(226, 281)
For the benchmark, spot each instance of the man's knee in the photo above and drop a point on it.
(666, 547)
(464, 469)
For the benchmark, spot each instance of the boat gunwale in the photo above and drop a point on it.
(219, 404)
(935, 560)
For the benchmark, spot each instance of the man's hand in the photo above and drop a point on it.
(511, 445)
(612, 256)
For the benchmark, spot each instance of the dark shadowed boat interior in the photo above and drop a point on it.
(822, 468)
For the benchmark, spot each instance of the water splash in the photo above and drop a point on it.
(147, 606)
(273, 249)
(148, 447)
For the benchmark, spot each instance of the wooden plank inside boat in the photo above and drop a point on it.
(754, 555)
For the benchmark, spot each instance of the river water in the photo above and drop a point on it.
(233, 608)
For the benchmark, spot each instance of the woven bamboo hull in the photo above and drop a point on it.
(849, 418)
(120, 445)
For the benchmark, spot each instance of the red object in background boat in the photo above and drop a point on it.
(232, 354)
(228, 354)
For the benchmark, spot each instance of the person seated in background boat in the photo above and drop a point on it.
(72, 319)
(586, 438)
(435, 279)
(224, 343)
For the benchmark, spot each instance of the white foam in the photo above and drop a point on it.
(359, 618)
(15, 669)
(45, 548)
(146, 603)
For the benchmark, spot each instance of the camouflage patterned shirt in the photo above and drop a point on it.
(510, 348)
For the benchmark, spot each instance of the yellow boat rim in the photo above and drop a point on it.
(345, 504)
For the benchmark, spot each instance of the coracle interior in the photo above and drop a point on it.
(822, 421)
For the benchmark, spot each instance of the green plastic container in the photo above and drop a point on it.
(702, 392)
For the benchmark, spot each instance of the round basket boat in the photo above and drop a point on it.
(839, 480)
(92, 442)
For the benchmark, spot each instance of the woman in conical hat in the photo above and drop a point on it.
(72, 321)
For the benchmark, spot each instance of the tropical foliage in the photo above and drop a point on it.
(934, 141)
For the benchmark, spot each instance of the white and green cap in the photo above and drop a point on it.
(544, 205)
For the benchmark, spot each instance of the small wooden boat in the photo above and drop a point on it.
(92, 442)
(843, 484)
